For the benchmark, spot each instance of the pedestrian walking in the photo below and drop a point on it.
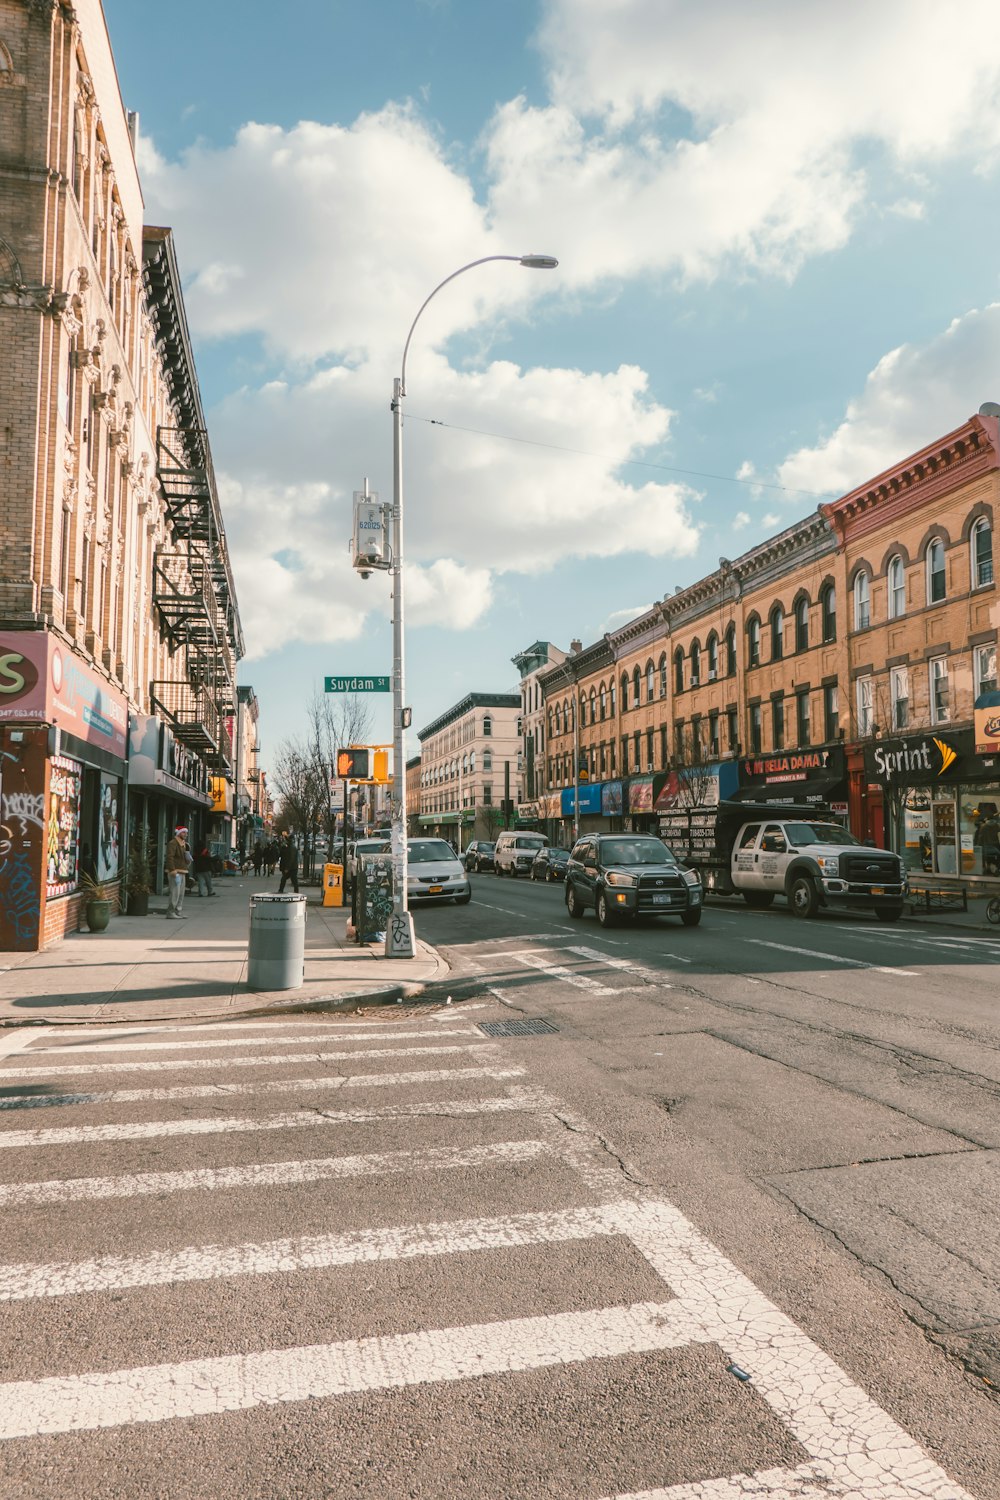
(203, 872)
(289, 866)
(258, 855)
(177, 868)
(988, 838)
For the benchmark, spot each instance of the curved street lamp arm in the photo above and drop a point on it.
(461, 271)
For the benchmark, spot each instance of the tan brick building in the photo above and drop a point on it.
(871, 623)
(119, 630)
(470, 765)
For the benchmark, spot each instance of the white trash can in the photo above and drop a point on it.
(277, 942)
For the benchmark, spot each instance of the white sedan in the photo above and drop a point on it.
(435, 873)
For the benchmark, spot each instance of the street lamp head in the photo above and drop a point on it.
(539, 262)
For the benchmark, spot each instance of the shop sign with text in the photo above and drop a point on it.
(41, 677)
(916, 760)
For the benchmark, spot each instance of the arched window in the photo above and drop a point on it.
(981, 543)
(695, 664)
(593, 705)
(935, 571)
(465, 765)
(604, 702)
(828, 609)
(731, 651)
(663, 674)
(488, 725)
(558, 719)
(777, 633)
(679, 670)
(472, 763)
(802, 624)
(624, 691)
(636, 688)
(568, 714)
(896, 588)
(487, 760)
(612, 699)
(753, 642)
(713, 657)
(583, 711)
(650, 681)
(862, 602)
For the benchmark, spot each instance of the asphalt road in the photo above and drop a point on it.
(724, 1227)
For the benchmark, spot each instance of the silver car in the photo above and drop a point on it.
(435, 873)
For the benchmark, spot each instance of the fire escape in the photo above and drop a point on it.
(193, 590)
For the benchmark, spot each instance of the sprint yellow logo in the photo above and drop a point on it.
(947, 755)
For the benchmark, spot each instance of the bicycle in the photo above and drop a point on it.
(993, 909)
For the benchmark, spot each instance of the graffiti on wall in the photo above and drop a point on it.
(22, 840)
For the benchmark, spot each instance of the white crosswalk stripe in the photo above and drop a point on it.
(851, 1447)
(365, 1035)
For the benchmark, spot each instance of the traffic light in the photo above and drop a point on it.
(583, 774)
(380, 767)
(352, 765)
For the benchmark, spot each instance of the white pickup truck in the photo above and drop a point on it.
(761, 852)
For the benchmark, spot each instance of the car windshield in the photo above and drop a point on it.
(425, 851)
(557, 854)
(538, 842)
(635, 852)
(487, 848)
(800, 834)
(370, 846)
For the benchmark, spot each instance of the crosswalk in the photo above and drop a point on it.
(185, 1260)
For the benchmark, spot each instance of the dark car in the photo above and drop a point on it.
(550, 864)
(479, 856)
(630, 875)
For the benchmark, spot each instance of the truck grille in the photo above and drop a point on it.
(870, 869)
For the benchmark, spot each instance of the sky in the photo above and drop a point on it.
(777, 231)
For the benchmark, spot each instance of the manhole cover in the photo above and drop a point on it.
(516, 1028)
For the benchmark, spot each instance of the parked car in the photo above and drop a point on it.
(515, 851)
(435, 873)
(479, 855)
(630, 875)
(550, 864)
(354, 853)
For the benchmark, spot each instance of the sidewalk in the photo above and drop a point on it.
(148, 969)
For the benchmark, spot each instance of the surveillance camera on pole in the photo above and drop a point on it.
(370, 533)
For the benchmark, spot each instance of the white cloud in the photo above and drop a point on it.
(915, 393)
(740, 521)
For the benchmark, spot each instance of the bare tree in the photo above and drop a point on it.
(303, 791)
(697, 781)
(336, 720)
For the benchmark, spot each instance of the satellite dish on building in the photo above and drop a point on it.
(990, 409)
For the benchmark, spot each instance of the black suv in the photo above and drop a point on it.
(630, 875)
(479, 855)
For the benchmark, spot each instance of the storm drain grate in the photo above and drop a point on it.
(516, 1028)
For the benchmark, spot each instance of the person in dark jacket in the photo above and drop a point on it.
(289, 866)
(203, 872)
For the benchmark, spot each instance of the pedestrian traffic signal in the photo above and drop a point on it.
(583, 774)
(352, 764)
(380, 767)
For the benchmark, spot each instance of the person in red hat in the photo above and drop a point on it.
(177, 868)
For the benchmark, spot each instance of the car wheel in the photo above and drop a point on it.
(691, 918)
(463, 900)
(573, 903)
(803, 897)
(605, 915)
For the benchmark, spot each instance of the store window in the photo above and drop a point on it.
(863, 689)
(939, 690)
(108, 828)
(65, 796)
(896, 582)
(899, 697)
(982, 553)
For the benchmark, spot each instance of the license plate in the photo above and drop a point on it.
(662, 900)
(435, 890)
(878, 890)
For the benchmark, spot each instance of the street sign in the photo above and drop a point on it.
(357, 684)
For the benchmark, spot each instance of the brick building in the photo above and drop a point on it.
(470, 767)
(779, 676)
(119, 628)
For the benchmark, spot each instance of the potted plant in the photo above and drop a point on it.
(98, 904)
(138, 876)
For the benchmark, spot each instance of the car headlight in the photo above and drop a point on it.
(829, 864)
(614, 877)
(691, 877)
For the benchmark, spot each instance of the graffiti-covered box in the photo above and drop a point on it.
(372, 899)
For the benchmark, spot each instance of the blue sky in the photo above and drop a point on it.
(777, 231)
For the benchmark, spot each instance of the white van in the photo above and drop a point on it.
(515, 851)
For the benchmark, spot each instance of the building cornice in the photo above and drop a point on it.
(466, 705)
(965, 454)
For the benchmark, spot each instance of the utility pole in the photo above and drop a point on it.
(576, 768)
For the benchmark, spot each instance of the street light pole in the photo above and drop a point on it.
(399, 941)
